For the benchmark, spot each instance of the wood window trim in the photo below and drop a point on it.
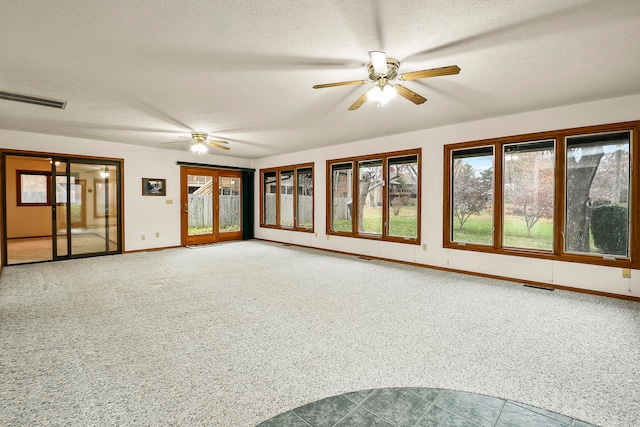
(558, 253)
(19, 174)
(384, 157)
(278, 170)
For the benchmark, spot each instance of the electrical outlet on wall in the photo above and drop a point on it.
(626, 273)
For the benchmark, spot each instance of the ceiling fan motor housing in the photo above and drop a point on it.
(199, 136)
(392, 70)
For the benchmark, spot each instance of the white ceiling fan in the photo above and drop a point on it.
(383, 72)
(200, 141)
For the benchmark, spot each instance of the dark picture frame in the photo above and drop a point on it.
(154, 187)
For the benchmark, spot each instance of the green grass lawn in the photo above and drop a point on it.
(479, 229)
(195, 231)
(403, 225)
(515, 233)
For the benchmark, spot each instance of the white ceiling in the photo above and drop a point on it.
(146, 72)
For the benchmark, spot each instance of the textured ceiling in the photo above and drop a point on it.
(146, 72)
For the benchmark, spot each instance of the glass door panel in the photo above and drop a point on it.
(92, 234)
(60, 191)
(200, 205)
(229, 214)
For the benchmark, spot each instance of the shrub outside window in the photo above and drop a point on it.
(287, 197)
(597, 195)
(386, 204)
(565, 195)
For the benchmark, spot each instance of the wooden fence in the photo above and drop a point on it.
(201, 206)
(305, 209)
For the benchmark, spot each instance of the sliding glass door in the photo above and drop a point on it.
(60, 207)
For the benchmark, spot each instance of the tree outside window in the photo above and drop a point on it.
(597, 194)
(528, 175)
(472, 196)
(386, 204)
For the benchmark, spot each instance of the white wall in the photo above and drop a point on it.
(142, 215)
(606, 279)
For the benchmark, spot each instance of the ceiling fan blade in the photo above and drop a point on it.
(410, 95)
(359, 101)
(379, 62)
(433, 72)
(173, 142)
(353, 82)
(217, 141)
(215, 144)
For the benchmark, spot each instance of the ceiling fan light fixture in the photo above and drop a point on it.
(104, 173)
(199, 148)
(382, 95)
(379, 62)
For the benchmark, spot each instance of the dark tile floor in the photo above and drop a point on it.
(418, 407)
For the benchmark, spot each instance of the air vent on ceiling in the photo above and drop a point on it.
(36, 100)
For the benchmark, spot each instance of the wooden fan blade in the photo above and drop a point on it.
(217, 141)
(173, 142)
(410, 95)
(359, 101)
(215, 144)
(353, 82)
(433, 72)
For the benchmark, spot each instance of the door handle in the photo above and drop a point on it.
(186, 208)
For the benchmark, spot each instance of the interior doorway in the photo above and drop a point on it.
(60, 207)
(211, 201)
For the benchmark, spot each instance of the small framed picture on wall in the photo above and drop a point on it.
(154, 187)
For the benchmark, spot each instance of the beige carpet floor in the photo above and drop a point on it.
(236, 333)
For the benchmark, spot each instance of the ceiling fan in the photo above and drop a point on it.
(199, 142)
(383, 72)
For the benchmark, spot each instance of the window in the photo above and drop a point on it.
(597, 194)
(472, 196)
(382, 203)
(269, 190)
(305, 198)
(341, 197)
(565, 195)
(34, 188)
(370, 183)
(287, 197)
(402, 199)
(528, 195)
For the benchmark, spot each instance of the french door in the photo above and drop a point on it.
(211, 205)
